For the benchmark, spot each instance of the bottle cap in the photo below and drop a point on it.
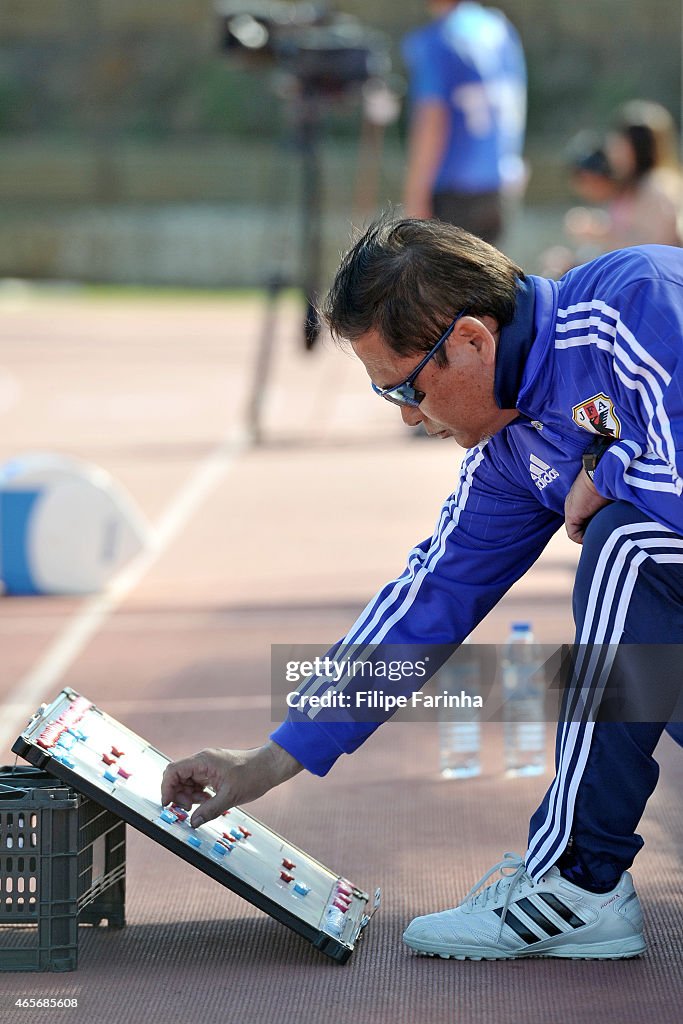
(521, 627)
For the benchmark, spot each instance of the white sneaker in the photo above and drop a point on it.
(517, 917)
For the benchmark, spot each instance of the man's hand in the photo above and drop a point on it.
(236, 777)
(582, 502)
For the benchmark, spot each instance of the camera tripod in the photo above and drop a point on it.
(305, 114)
(306, 106)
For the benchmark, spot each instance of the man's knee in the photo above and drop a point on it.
(628, 580)
(600, 540)
(613, 519)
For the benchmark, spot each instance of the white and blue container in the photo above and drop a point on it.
(460, 728)
(65, 526)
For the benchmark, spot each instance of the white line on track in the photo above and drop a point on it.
(61, 654)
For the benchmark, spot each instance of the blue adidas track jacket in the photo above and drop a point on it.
(599, 352)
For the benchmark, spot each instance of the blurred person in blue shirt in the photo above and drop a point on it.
(468, 114)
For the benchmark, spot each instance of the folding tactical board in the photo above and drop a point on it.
(94, 754)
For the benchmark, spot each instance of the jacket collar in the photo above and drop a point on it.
(514, 345)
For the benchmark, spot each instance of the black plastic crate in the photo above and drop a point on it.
(62, 863)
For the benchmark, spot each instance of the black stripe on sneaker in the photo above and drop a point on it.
(565, 912)
(525, 934)
(538, 917)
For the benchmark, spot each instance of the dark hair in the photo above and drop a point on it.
(650, 130)
(643, 145)
(407, 279)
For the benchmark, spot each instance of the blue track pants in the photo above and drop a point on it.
(628, 590)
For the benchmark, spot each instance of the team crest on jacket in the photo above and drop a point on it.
(597, 415)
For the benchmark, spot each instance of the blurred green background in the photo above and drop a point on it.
(133, 150)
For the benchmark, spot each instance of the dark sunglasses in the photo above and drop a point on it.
(404, 393)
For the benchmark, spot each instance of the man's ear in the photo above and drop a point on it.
(481, 332)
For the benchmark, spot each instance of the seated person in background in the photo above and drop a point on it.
(646, 205)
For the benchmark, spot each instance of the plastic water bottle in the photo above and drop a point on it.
(460, 728)
(523, 703)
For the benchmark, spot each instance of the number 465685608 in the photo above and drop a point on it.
(46, 1002)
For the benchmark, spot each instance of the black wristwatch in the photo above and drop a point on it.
(593, 453)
